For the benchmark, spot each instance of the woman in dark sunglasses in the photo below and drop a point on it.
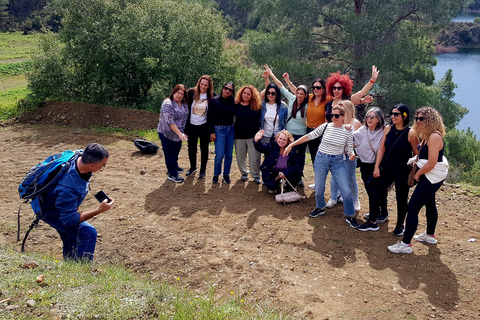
(274, 111)
(297, 115)
(433, 169)
(221, 116)
(398, 144)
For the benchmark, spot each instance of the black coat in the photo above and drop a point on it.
(272, 151)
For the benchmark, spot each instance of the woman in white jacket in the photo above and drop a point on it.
(433, 169)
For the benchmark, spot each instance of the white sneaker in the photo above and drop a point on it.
(311, 186)
(340, 199)
(331, 203)
(424, 237)
(400, 247)
(357, 206)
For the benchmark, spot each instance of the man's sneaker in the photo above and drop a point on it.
(382, 218)
(399, 231)
(424, 237)
(180, 169)
(331, 203)
(317, 212)
(311, 186)
(368, 226)
(201, 175)
(352, 221)
(244, 177)
(215, 179)
(191, 171)
(356, 205)
(301, 184)
(176, 179)
(226, 179)
(400, 247)
(257, 181)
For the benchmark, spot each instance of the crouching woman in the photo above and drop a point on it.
(276, 165)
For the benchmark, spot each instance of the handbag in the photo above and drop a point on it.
(288, 197)
(411, 175)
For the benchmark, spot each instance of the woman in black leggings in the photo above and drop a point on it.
(398, 144)
(433, 169)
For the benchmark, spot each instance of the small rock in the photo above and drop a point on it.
(30, 303)
(30, 265)
(143, 171)
(12, 307)
(40, 278)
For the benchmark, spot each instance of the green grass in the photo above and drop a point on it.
(9, 106)
(85, 291)
(15, 47)
(14, 69)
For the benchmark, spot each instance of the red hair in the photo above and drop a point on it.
(343, 79)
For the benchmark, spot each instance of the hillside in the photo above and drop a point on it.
(237, 239)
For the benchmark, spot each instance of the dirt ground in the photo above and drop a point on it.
(237, 239)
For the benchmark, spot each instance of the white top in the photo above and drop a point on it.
(198, 114)
(269, 119)
(437, 174)
(335, 139)
(361, 137)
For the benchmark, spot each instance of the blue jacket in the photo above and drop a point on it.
(272, 151)
(64, 197)
(282, 111)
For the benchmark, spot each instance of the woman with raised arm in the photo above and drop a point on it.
(221, 117)
(336, 138)
(278, 164)
(350, 166)
(433, 169)
(171, 125)
(398, 144)
(274, 112)
(197, 127)
(247, 124)
(297, 114)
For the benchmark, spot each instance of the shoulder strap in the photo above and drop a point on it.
(370, 143)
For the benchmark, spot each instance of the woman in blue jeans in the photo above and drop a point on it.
(221, 119)
(335, 139)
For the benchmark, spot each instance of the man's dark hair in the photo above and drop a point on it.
(94, 153)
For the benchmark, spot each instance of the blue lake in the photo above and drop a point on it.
(465, 65)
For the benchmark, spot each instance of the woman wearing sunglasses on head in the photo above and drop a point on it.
(433, 169)
(297, 116)
(197, 127)
(398, 144)
(336, 138)
(221, 117)
(367, 139)
(274, 111)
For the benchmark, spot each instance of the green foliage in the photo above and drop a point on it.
(117, 52)
(14, 69)
(462, 149)
(476, 20)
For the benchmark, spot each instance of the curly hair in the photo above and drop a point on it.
(255, 102)
(287, 134)
(432, 122)
(343, 79)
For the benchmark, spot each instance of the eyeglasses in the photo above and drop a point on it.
(336, 115)
(228, 89)
(395, 114)
(420, 119)
(370, 117)
(337, 88)
(317, 87)
(271, 93)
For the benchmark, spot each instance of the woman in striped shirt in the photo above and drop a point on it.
(335, 139)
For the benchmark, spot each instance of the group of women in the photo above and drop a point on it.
(323, 120)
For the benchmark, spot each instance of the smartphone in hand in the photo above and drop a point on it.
(101, 195)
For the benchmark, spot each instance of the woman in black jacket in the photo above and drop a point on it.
(276, 166)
